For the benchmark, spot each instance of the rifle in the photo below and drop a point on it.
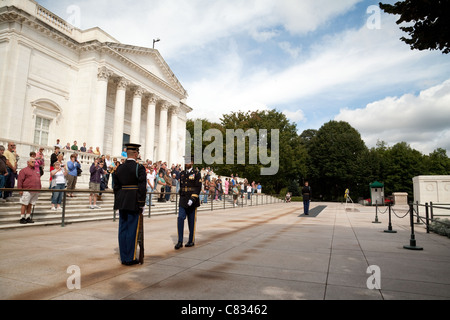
(141, 237)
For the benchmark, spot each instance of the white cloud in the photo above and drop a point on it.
(288, 48)
(300, 17)
(295, 116)
(351, 63)
(186, 25)
(421, 120)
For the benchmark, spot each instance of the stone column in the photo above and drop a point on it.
(173, 135)
(162, 145)
(119, 118)
(136, 116)
(151, 120)
(99, 113)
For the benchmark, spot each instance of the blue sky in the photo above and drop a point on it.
(314, 60)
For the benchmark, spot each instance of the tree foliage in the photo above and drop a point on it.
(428, 23)
(292, 154)
(335, 154)
(332, 158)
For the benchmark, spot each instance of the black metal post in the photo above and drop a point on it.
(150, 207)
(376, 213)
(412, 241)
(427, 218)
(64, 210)
(389, 230)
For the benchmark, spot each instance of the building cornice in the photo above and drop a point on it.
(123, 48)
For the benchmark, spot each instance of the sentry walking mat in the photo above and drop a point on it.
(314, 212)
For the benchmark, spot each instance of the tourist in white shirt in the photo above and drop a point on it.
(151, 176)
(58, 183)
(109, 168)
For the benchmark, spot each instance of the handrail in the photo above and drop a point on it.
(266, 199)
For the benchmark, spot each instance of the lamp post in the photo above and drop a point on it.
(154, 41)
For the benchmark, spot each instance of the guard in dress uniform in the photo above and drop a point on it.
(190, 188)
(306, 193)
(130, 188)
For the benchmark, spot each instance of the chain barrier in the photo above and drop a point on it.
(382, 212)
(398, 216)
(412, 211)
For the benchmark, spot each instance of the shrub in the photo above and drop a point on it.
(441, 227)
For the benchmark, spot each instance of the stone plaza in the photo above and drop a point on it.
(259, 253)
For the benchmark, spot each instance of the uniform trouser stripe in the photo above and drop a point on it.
(191, 215)
(137, 236)
(195, 224)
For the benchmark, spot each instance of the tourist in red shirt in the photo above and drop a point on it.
(28, 179)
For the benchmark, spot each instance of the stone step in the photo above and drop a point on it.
(77, 210)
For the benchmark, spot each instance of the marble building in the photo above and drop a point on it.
(60, 82)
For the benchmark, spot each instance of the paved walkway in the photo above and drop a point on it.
(260, 253)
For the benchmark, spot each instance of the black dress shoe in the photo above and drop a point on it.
(189, 244)
(131, 263)
(178, 245)
(29, 220)
(23, 221)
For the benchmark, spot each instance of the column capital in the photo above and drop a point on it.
(139, 92)
(153, 98)
(104, 74)
(165, 105)
(122, 83)
(174, 110)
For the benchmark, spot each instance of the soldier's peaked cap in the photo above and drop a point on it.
(133, 146)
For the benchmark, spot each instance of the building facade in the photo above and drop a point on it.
(60, 82)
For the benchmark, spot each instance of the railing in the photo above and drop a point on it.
(23, 149)
(430, 215)
(419, 219)
(54, 20)
(241, 201)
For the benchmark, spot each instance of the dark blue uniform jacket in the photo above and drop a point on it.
(130, 186)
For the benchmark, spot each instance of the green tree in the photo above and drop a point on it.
(334, 165)
(292, 155)
(428, 23)
(402, 165)
(437, 163)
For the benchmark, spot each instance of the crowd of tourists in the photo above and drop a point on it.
(163, 182)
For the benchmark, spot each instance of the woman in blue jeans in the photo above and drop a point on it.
(58, 183)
